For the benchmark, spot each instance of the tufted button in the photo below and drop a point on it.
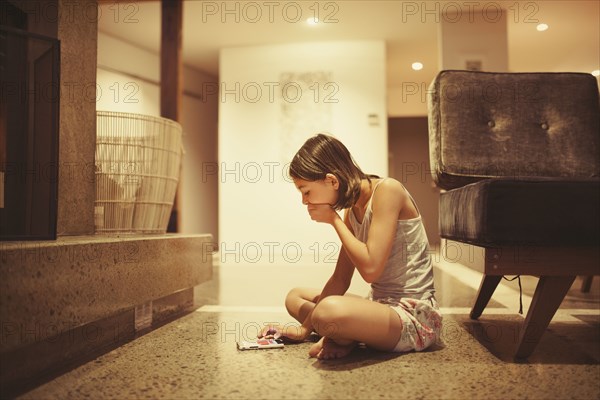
(491, 124)
(544, 126)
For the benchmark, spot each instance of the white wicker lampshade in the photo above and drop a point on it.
(138, 159)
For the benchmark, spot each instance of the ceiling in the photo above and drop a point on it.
(409, 28)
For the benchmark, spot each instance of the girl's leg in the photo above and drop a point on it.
(301, 301)
(345, 320)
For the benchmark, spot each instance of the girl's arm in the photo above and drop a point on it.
(340, 281)
(370, 257)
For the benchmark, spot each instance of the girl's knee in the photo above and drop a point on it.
(297, 296)
(293, 295)
(290, 299)
(300, 293)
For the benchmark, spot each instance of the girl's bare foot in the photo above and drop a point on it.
(327, 349)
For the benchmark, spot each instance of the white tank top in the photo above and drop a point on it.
(408, 271)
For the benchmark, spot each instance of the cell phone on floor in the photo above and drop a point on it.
(260, 344)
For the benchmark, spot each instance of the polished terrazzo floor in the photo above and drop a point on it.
(195, 357)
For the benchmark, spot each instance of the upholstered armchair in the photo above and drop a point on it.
(518, 155)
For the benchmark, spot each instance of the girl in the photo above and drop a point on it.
(383, 238)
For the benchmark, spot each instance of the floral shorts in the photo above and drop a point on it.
(421, 322)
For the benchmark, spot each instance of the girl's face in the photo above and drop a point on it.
(318, 192)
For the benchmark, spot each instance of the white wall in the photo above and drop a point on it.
(409, 98)
(128, 80)
(264, 119)
(481, 37)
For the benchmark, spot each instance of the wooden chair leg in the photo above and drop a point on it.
(486, 289)
(548, 295)
(586, 285)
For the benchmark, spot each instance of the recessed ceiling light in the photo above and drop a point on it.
(596, 72)
(312, 21)
(542, 27)
(417, 66)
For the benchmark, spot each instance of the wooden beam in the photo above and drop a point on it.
(171, 66)
(171, 75)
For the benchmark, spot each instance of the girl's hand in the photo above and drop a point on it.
(271, 332)
(322, 213)
(294, 333)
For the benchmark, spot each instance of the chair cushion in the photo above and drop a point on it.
(485, 125)
(536, 211)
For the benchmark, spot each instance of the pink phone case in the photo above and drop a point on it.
(260, 344)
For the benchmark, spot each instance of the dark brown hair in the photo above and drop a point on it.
(323, 154)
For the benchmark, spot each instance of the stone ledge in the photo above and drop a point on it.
(52, 287)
